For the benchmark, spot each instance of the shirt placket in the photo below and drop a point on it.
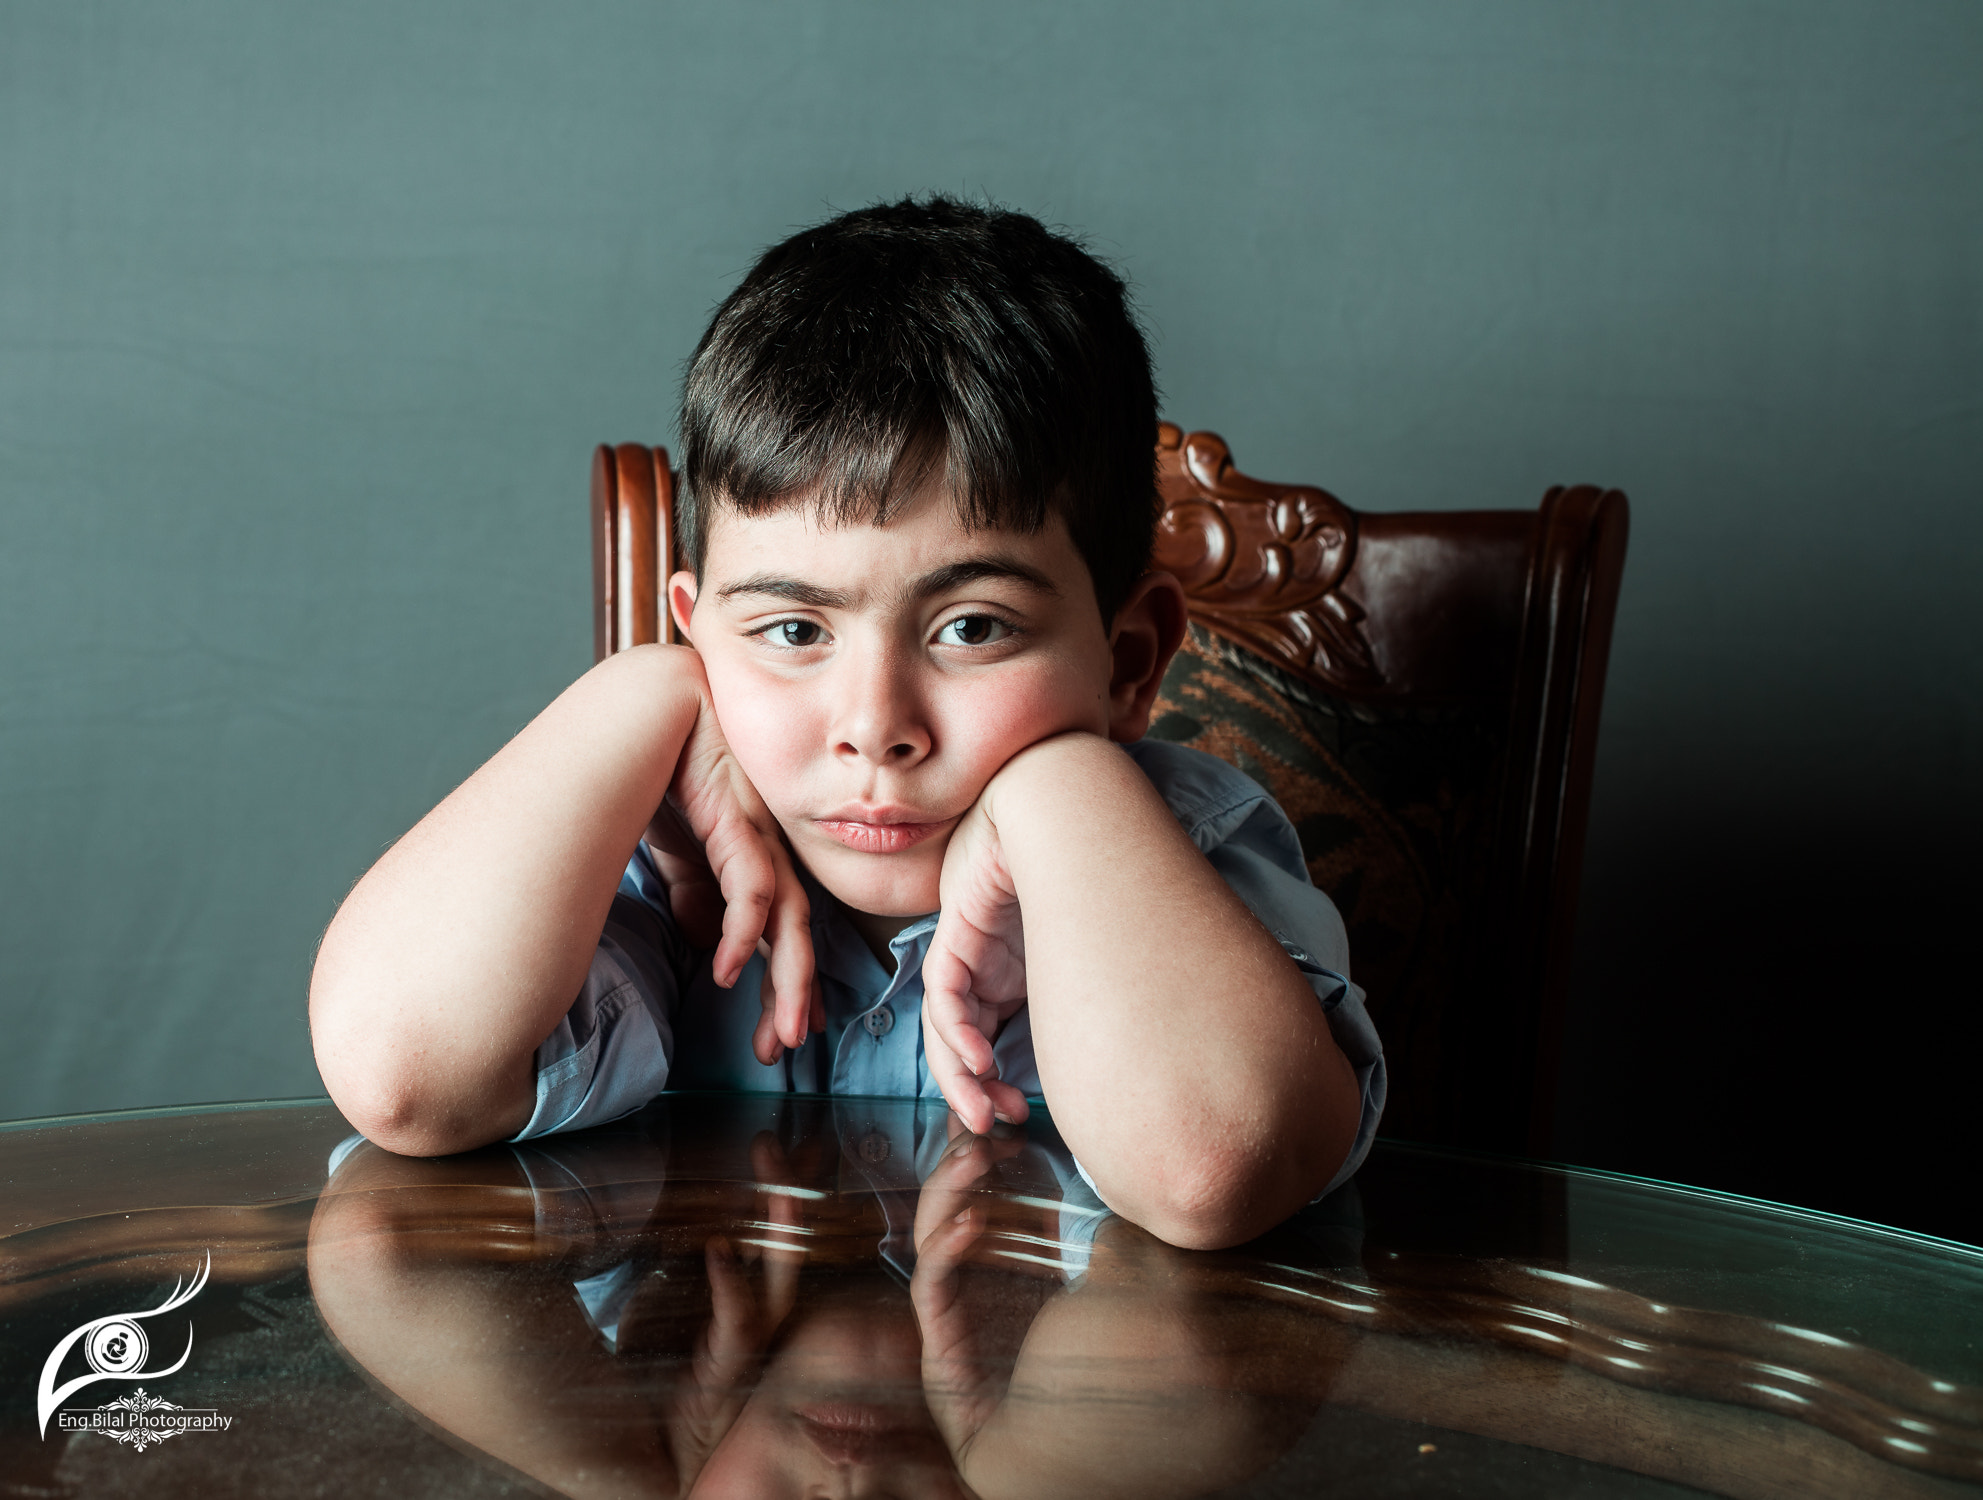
(877, 1052)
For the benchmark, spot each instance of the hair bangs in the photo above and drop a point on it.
(863, 358)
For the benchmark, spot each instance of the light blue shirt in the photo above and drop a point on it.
(651, 1017)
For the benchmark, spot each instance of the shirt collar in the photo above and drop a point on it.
(842, 953)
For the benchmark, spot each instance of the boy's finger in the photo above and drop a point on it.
(963, 1091)
(765, 1045)
(791, 981)
(1007, 1103)
(956, 1022)
(750, 888)
(947, 1002)
(960, 1084)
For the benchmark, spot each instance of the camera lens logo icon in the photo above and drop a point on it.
(116, 1348)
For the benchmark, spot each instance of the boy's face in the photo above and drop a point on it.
(872, 679)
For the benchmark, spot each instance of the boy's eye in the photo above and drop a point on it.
(973, 630)
(793, 633)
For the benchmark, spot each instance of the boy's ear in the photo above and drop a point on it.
(681, 600)
(1148, 630)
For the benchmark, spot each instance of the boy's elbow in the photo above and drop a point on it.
(391, 1091)
(1233, 1190)
(1227, 1202)
(408, 1124)
(1214, 1216)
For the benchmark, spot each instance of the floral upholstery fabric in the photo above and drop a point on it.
(1393, 806)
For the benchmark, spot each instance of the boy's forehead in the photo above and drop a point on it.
(799, 540)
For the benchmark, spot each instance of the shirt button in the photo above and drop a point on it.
(874, 1147)
(879, 1022)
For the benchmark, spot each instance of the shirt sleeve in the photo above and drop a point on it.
(610, 1053)
(1250, 842)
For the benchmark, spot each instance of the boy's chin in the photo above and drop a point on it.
(882, 885)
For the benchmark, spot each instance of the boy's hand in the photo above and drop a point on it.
(715, 831)
(974, 976)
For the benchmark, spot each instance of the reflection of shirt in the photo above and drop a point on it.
(585, 1187)
(887, 1148)
(650, 1016)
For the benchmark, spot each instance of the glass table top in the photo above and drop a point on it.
(774, 1295)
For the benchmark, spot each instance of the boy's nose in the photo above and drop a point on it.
(881, 718)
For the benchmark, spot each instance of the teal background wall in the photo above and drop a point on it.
(311, 315)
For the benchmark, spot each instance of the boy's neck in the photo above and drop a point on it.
(877, 933)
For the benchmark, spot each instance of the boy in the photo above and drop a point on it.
(917, 514)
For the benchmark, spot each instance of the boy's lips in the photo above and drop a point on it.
(879, 830)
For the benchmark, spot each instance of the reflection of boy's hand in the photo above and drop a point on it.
(963, 1386)
(744, 1318)
(718, 848)
(974, 975)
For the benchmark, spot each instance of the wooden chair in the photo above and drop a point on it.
(1419, 690)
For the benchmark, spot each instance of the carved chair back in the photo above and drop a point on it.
(1419, 690)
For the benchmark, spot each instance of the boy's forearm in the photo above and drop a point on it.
(461, 948)
(1185, 1057)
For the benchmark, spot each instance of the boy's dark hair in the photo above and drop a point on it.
(861, 354)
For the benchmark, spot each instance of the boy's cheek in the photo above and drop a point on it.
(1010, 729)
(767, 738)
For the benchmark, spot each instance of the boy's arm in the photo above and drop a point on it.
(1190, 1067)
(460, 950)
(493, 1349)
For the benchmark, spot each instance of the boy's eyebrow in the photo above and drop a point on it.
(795, 589)
(971, 569)
(941, 581)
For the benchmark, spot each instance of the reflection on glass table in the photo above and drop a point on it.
(780, 1295)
